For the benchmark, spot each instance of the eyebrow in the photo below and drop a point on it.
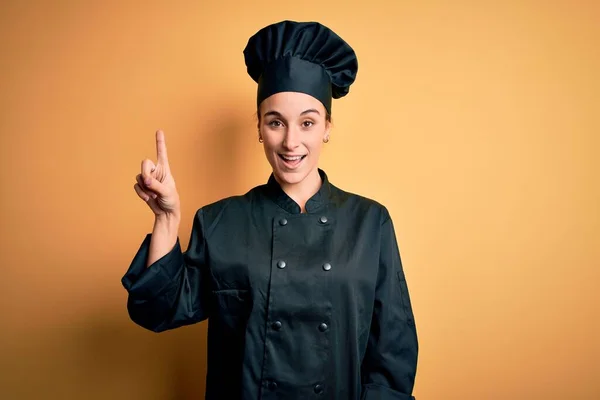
(278, 114)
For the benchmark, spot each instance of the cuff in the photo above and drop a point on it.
(147, 283)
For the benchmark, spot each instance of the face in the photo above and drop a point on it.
(293, 126)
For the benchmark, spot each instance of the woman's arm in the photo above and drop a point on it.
(390, 363)
(172, 289)
(164, 236)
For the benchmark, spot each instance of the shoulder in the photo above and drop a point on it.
(360, 204)
(212, 212)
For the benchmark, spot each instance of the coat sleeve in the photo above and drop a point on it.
(174, 290)
(390, 362)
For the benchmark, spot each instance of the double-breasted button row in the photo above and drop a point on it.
(277, 325)
(323, 219)
(318, 388)
(281, 265)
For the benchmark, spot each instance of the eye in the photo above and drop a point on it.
(275, 123)
(308, 124)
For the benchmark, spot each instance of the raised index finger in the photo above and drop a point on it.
(161, 148)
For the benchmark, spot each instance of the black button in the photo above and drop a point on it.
(323, 219)
(281, 264)
(283, 222)
(272, 385)
(323, 327)
(318, 389)
(276, 325)
(326, 266)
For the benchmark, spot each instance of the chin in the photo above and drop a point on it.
(290, 177)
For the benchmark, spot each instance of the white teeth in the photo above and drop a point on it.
(291, 158)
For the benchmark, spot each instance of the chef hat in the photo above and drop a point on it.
(304, 57)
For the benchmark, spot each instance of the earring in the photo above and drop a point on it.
(260, 139)
(326, 139)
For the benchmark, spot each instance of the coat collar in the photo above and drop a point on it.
(320, 199)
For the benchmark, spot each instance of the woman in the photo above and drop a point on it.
(301, 282)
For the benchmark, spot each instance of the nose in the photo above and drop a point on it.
(291, 139)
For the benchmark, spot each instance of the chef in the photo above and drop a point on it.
(301, 282)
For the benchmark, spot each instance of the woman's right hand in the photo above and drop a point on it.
(155, 185)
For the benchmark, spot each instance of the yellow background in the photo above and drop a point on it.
(476, 123)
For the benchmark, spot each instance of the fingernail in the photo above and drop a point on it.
(147, 181)
(154, 195)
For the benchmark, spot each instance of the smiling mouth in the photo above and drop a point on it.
(291, 162)
(291, 158)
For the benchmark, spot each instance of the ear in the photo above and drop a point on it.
(327, 129)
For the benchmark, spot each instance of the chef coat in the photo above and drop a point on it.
(309, 305)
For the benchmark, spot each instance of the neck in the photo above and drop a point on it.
(302, 191)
